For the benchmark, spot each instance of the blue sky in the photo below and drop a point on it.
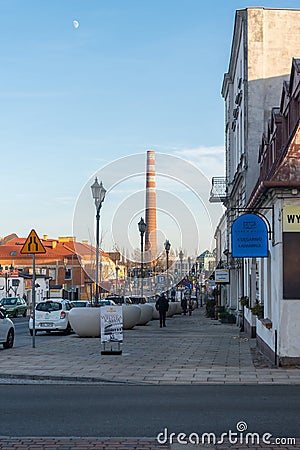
(135, 75)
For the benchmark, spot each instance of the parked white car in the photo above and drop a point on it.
(7, 330)
(51, 315)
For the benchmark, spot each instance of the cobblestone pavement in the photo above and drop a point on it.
(82, 444)
(192, 350)
(125, 444)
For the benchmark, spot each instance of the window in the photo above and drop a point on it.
(9, 301)
(49, 306)
(68, 274)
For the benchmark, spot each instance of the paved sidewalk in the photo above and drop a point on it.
(190, 350)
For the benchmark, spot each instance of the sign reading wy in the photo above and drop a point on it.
(291, 219)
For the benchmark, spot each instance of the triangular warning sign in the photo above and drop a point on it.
(33, 244)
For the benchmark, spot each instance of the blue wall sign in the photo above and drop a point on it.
(249, 237)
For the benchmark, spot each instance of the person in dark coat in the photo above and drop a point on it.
(162, 306)
(184, 301)
(184, 305)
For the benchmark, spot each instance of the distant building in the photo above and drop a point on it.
(207, 264)
(69, 265)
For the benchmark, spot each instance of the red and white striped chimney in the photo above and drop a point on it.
(150, 235)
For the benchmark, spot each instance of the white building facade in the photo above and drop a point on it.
(264, 44)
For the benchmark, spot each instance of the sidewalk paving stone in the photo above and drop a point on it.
(190, 350)
(48, 443)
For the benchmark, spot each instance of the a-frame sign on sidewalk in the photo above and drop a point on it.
(33, 244)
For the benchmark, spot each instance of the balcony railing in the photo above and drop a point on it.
(218, 191)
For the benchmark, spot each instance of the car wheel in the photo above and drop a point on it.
(25, 313)
(68, 329)
(10, 339)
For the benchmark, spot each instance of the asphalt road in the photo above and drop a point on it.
(23, 338)
(144, 411)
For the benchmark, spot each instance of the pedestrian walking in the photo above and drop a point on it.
(184, 305)
(184, 301)
(162, 306)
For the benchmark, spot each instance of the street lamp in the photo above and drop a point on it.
(72, 287)
(167, 248)
(142, 229)
(117, 279)
(181, 259)
(98, 193)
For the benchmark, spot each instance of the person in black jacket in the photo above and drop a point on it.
(162, 306)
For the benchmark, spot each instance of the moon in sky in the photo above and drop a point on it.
(75, 23)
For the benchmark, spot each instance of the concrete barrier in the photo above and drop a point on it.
(131, 316)
(146, 314)
(172, 309)
(86, 321)
(155, 313)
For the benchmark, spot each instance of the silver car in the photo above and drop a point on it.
(7, 330)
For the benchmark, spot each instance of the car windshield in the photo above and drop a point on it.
(9, 301)
(115, 299)
(49, 306)
(137, 300)
(77, 304)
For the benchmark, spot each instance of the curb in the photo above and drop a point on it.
(7, 376)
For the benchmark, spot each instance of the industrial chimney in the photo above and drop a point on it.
(150, 235)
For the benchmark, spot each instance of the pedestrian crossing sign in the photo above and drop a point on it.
(33, 244)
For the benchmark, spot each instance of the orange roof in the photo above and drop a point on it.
(56, 249)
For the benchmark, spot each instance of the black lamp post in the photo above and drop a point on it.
(117, 280)
(98, 193)
(167, 248)
(181, 259)
(142, 229)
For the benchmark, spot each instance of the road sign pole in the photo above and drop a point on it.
(33, 245)
(33, 301)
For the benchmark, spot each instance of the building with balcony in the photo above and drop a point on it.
(275, 281)
(261, 119)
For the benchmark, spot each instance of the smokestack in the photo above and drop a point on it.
(150, 235)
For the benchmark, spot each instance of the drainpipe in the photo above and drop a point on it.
(276, 349)
(56, 273)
